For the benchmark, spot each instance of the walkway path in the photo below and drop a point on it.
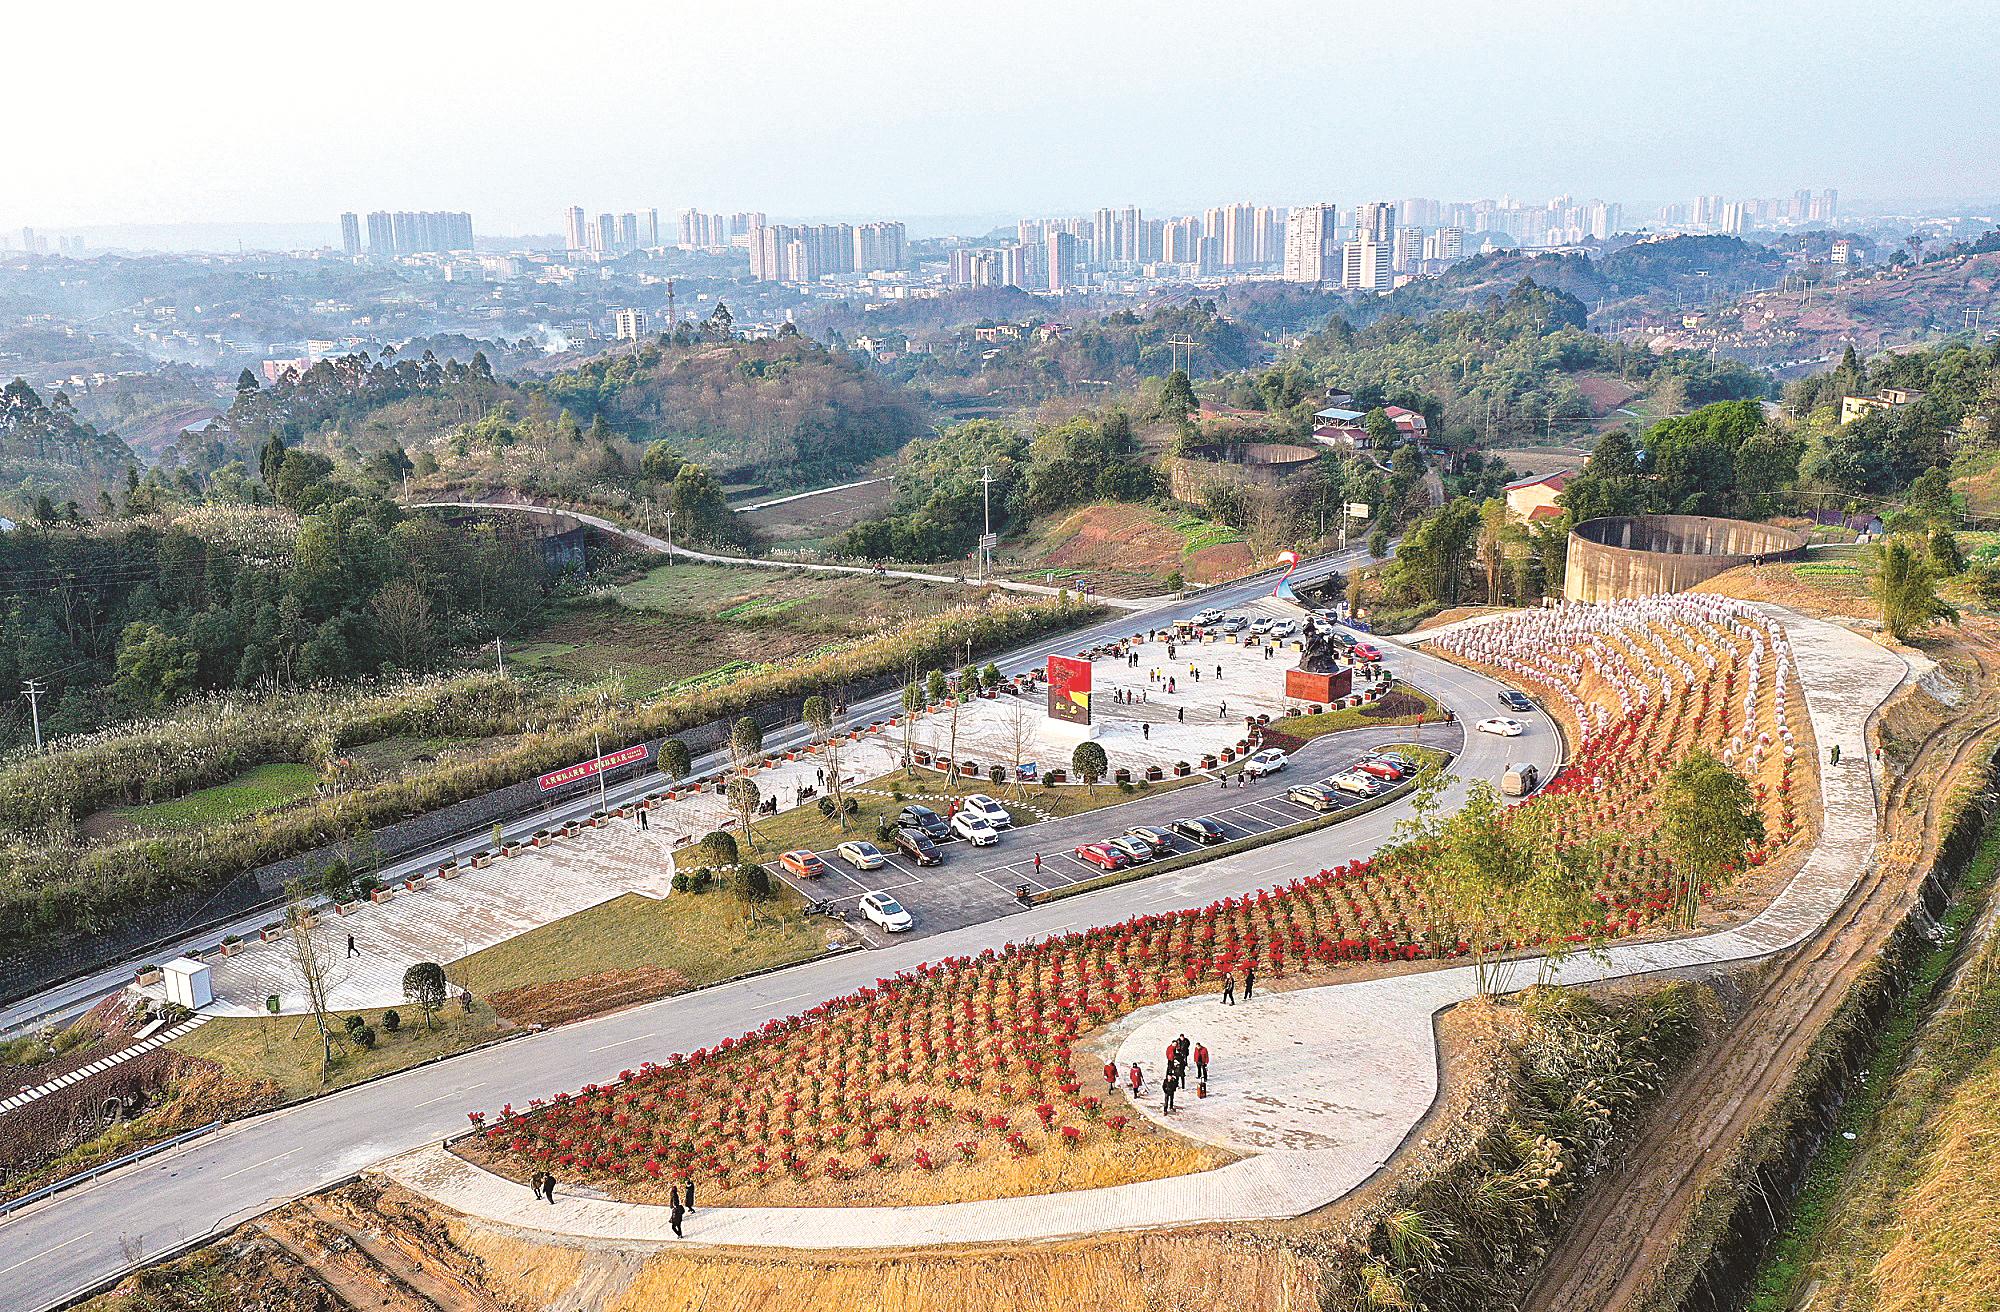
(1319, 1085)
(660, 547)
(152, 1041)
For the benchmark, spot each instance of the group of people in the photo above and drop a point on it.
(1180, 1053)
(680, 1198)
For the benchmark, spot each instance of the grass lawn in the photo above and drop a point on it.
(254, 790)
(286, 1049)
(699, 938)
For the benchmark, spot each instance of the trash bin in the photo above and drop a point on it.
(271, 1004)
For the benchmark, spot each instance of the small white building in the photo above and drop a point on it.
(186, 982)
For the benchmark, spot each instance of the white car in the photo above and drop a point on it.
(987, 809)
(860, 855)
(1503, 726)
(1284, 629)
(1262, 626)
(1136, 849)
(887, 912)
(974, 829)
(1268, 761)
(1352, 781)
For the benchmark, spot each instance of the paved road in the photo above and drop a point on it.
(74, 997)
(68, 1241)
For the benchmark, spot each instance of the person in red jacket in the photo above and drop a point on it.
(1136, 1079)
(1201, 1061)
(1110, 1077)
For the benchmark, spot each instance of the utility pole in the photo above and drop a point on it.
(672, 321)
(33, 691)
(986, 538)
(499, 659)
(597, 745)
(670, 533)
(1176, 345)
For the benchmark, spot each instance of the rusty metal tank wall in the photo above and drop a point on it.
(1640, 555)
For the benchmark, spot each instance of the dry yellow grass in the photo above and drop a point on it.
(1948, 1250)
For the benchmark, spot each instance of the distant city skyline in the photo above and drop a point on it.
(878, 108)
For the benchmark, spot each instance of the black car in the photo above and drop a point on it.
(923, 818)
(917, 845)
(1516, 701)
(1343, 637)
(1201, 829)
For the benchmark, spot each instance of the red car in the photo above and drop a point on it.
(806, 865)
(1102, 855)
(1381, 770)
(1368, 651)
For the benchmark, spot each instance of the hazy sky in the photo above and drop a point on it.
(204, 111)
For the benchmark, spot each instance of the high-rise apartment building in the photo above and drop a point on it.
(576, 236)
(1065, 261)
(1446, 244)
(628, 232)
(800, 253)
(630, 325)
(604, 237)
(1180, 241)
(418, 232)
(1409, 248)
(1312, 244)
(350, 234)
(1376, 222)
(1365, 265)
(651, 231)
(878, 246)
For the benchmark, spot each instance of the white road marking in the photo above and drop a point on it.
(241, 1170)
(45, 1252)
(640, 1038)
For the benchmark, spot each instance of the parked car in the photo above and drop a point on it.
(1135, 849)
(1516, 701)
(1199, 828)
(1379, 768)
(887, 912)
(860, 855)
(1407, 765)
(1284, 629)
(1102, 855)
(1343, 638)
(1158, 839)
(1503, 726)
(917, 845)
(987, 809)
(1361, 785)
(1268, 761)
(1234, 624)
(1317, 796)
(922, 817)
(804, 864)
(1262, 625)
(1208, 617)
(972, 827)
(1368, 651)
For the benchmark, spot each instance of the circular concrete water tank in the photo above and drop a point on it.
(1623, 556)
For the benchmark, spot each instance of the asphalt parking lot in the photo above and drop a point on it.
(974, 884)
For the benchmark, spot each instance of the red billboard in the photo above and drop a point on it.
(1069, 689)
(569, 774)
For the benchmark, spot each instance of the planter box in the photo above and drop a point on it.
(412, 885)
(1056, 777)
(1155, 774)
(269, 932)
(449, 872)
(1208, 762)
(1228, 755)
(1121, 776)
(541, 838)
(225, 949)
(1182, 769)
(149, 977)
(382, 895)
(923, 758)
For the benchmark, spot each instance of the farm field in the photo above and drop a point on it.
(811, 521)
(1131, 550)
(678, 626)
(256, 789)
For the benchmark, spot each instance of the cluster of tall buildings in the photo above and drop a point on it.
(717, 232)
(407, 232)
(805, 253)
(611, 234)
(1364, 248)
(1736, 217)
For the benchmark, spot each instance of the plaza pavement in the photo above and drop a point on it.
(1319, 1086)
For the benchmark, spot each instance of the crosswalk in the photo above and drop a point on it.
(158, 1039)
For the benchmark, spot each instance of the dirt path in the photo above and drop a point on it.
(374, 1259)
(1628, 1228)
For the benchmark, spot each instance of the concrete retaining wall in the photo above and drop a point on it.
(1620, 557)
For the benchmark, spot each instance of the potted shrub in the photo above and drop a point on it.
(1155, 774)
(1182, 769)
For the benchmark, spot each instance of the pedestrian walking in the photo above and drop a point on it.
(642, 820)
(1110, 1078)
(1146, 732)
(1167, 1087)
(1137, 1079)
(1180, 714)
(687, 1194)
(674, 1196)
(1170, 683)
(1218, 671)
(1181, 1049)
(1201, 1062)
(1229, 990)
(535, 1183)
(1836, 754)
(674, 1219)
(549, 1188)
(1038, 863)
(1249, 982)
(353, 951)
(1222, 711)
